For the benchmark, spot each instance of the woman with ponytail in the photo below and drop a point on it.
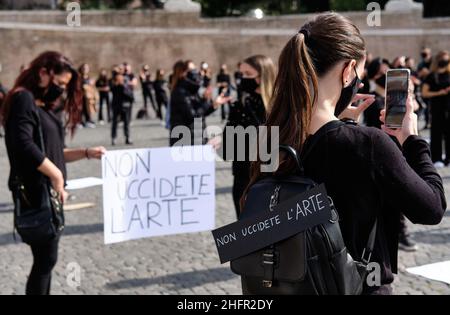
(366, 174)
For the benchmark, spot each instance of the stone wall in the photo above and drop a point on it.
(160, 38)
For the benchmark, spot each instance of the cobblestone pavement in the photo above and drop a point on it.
(183, 264)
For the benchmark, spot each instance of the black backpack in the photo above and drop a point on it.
(314, 262)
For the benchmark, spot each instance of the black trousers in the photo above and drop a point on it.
(440, 130)
(160, 102)
(147, 94)
(104, 99)
(45, 256)
(123, 113)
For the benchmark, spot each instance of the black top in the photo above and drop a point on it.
(118, 99)
(102, 82)
(424, 65)
(23, 141)
(184, 106)
(146, 83)
(159, 86)
(250, 111)
(369, 177)
(206, 81)
(438, 82)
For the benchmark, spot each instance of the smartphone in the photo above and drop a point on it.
(397, 91)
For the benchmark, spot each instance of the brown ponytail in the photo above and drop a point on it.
(321, 44)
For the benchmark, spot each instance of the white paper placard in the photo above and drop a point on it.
(438, 271)
(81, 183)
(156, 192)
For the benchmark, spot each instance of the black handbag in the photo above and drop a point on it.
(38, 223)
(314, 262)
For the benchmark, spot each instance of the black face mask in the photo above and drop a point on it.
(53, 93)
(248, 85)
(193, 81)
(347, 95)
(424, 55)
(381, 81)
(443, 63)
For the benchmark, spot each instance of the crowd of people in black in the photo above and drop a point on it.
(253, 96)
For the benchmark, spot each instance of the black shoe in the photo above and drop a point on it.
(407, 245)
(129, 142)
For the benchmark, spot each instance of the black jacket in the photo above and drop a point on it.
(185, 107)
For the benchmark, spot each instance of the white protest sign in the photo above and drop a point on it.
(156, 192)
(438, 271)
(82, 183)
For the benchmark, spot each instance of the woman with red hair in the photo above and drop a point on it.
(35, 142)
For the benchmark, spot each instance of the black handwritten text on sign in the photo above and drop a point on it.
(288, 219)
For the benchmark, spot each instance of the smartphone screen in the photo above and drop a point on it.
(397, 87)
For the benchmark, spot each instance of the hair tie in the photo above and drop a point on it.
(305, 33)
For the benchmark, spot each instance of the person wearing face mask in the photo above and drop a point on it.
(223, 86)
(160, 86)
(28, 114)
(120, 107)
(130, 84)
(103, 87)
(436, 88)
(424, 66)
(205, 73)
(147, 91)
(369, 178)
(186, 104)
(251, 108)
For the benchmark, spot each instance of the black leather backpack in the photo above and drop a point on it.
(314, 262)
